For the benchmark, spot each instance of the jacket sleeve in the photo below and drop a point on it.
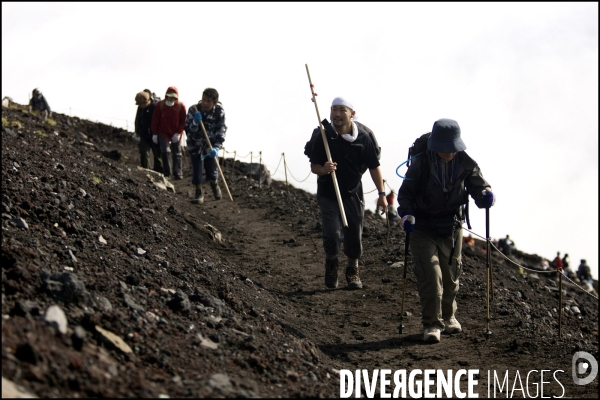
(182, 115)
(220, 130)
(137, 123)
(46, 105)
(155, 119)
(407, 194)
(476, 184)
(190, 126)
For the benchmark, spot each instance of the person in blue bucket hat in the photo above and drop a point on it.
(432, 201)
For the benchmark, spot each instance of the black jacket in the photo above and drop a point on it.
(421, 193)
(39, 103)
(143, 121)
(352, 158)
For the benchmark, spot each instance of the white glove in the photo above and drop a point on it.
(175, 138)
(410, 218)
(155, 139)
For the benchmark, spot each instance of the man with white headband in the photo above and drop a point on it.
(352, 153)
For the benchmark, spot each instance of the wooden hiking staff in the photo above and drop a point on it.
(210, 146)
(333, 176)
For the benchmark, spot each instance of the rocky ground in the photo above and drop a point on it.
(115, 285)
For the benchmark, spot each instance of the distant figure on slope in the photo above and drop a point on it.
(392, 214)
(209, 112)
(352, 153)
(584, 273)
(566, 269)
(557, 263)
(469, 241)
(168, 123)
(155, 99)
(506, 246)
(431, 200)
(38, 103)
(143, 123)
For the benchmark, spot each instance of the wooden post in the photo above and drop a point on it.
(233, 163)
(285, 170)
(251, 154)
(259, 167)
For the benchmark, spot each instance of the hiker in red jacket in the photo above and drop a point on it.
(168, 123)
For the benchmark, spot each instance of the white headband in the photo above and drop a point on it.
(340, 101)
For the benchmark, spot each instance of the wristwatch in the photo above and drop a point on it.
(382, 193)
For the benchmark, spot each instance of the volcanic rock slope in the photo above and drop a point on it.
(113, 286)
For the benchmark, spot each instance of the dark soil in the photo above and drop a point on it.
(227, 299)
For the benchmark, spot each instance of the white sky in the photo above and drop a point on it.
(521, 79)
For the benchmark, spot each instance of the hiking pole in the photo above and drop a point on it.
(487, 332)
(333, 176)
(210, 146)
(218, 166)
(400, 327)
(560, 303)
(387, 218)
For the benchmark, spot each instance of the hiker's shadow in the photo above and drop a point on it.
(391, 343)
(304, 293)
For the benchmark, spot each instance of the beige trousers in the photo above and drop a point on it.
(437, 281)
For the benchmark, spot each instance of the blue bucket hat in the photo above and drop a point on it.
(445, 137)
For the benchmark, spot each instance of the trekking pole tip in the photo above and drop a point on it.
(487, 334)
(400, 328)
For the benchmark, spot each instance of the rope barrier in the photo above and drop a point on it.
(280, 158)
(528, 269)
(288, 170)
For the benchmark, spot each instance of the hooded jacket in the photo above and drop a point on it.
(168, 121)
(424, 197)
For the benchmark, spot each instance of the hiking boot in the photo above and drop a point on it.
(216, 190)
(432, 335)
(352, 278)
(331, 273)
(199, 197)
(452, 326)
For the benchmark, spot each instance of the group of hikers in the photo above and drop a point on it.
(432, 200)
(433, 196)
(583, 275)
(160, 125)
